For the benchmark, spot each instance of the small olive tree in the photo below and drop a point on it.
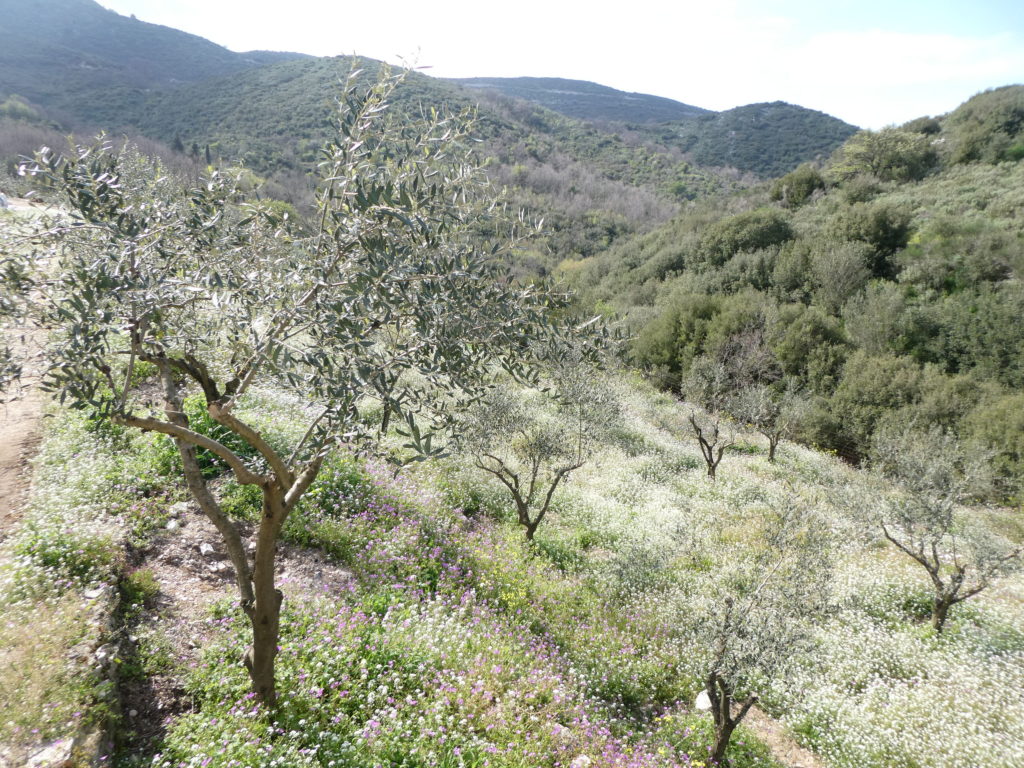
(393, 296)
(934, 475)
(533, 441)
(15, 282)
(708, 383)
(772, 413)
(751, 614)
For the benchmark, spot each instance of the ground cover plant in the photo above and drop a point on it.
(456, 643)
(90, 490)
(447, 639)
(609, 597)
(391, 298)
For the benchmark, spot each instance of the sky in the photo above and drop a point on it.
(869, 62)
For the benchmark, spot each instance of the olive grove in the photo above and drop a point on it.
(390, 301)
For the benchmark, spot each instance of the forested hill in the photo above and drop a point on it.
(766, 140)
(85, 63)
(586, 100)
(89, 68)
(887, 286)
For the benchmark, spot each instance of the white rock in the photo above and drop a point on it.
(92, 594)
(133, 713)
(56, 753)
(205, 549)
(703, 702)
(581, 761)
(105, 654)
(172, 525)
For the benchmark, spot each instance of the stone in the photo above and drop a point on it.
(179, 509)
(95, 592)
(172, 525)
(105, 654)
(703, 702)
(56, 754)
(205, 549)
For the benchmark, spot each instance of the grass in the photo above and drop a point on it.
(42, 695)
(458, 644)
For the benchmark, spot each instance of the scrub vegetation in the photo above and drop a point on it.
(362, 488)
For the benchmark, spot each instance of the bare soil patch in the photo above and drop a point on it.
(190, 564)
(20, 432)
(19, 440)
(782, 746)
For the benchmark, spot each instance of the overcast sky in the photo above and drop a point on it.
(869, 62)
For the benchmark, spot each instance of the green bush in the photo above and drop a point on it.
(796, 187)
(750, 231)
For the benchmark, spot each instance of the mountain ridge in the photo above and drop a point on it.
(586, 100)
(89, 67)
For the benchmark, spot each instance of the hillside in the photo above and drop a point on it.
(91, 66)
(418, 622)
(93, 69)
(887, 285)
(765, 139)
(586, 101)
(272, 446)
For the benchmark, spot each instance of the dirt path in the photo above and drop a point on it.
(19, 440)
(189, 564)
(781, 744)
(19, 417)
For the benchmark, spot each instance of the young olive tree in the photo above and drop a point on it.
(391, 297)
(752, 613)
(532, 441)
(14, 281)
(709, 384)
(934, 475)
(772, 413)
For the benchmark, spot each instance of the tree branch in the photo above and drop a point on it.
(242, 473)
(251, 436)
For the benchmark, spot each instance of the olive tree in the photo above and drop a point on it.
(13, 283)
(750, 614)
(934, 474)
(393, 298)
(533, 440)
(708, 383)
(772, 413)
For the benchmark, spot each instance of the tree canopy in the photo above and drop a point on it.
(389, 303)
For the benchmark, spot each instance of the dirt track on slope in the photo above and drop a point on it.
(781, 744)
(19, 440)
(20, 418)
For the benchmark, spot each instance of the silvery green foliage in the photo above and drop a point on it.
(766, 576)
(708, 384)
(388, 296)
(389, 282)
(15, 282)
(767, 581)
(532, 440)
(922, 518)
(773, 413)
